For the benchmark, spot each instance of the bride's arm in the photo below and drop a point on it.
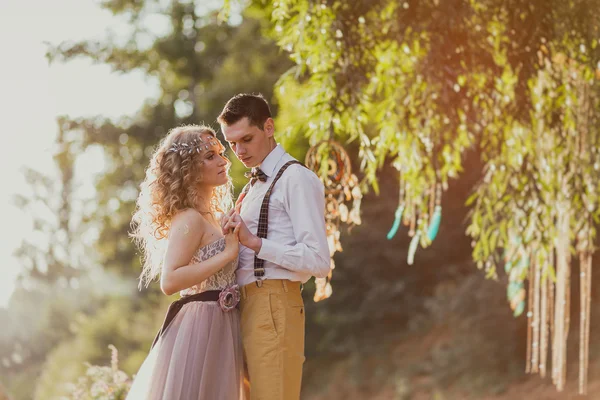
(185, 236)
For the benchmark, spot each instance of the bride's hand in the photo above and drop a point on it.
(232, 241)
(225, 220)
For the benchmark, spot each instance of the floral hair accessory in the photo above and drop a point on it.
(229, 298)
(191, 147)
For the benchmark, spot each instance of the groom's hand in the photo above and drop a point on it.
(247, 238)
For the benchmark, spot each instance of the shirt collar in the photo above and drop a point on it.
(271, 160)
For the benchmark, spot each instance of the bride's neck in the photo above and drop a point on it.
(203, 201)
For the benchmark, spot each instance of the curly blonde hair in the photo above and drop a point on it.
(170, 186)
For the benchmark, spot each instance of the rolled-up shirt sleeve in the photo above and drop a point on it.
(305, 205)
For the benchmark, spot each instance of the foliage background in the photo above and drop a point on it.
(437, 329)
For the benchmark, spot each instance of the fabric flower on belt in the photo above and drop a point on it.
(229, 298)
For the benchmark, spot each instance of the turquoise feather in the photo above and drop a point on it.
(397, 220)
(512, 289)
(412, 249)
(519, 309)
(434, 227)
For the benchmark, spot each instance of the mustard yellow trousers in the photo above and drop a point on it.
(272, 323)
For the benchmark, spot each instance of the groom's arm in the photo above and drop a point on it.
(305, 204)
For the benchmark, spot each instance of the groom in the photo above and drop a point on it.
(283, 243)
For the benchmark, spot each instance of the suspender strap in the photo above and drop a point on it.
(263, 220)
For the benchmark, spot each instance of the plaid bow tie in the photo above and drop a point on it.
(254, 174)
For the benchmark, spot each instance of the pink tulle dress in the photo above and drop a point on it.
(199, 355)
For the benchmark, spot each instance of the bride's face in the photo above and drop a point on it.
(214, 166)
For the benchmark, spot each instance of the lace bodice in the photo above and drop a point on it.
(221, 279)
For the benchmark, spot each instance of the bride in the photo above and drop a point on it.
(197, 353)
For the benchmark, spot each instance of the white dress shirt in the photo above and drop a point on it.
(296, 245)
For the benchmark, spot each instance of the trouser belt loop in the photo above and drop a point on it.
(259, 283)
(285, 286)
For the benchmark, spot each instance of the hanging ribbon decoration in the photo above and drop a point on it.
(436, 218)
(397, 215)
(550, 271)
(585, 279)
(423, 230)
(342, 199)
(423, 226)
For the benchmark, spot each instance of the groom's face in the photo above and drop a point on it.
(249, 143)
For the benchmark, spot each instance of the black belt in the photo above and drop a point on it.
(175, 307)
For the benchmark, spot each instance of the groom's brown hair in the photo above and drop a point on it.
(253, 106)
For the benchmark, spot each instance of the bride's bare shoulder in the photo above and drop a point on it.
(188, 221)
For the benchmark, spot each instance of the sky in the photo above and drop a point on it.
(33, 93)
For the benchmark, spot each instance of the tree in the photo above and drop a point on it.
(54, 269)
(199, 64)
(421, 83)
